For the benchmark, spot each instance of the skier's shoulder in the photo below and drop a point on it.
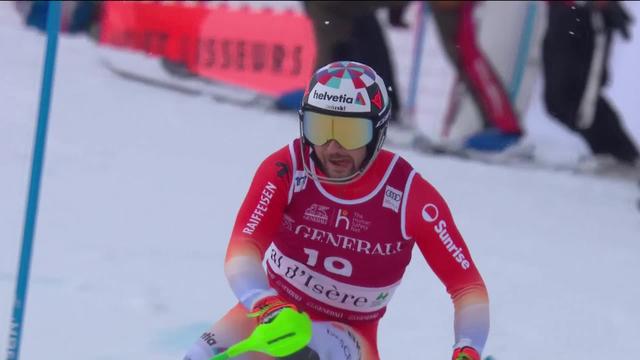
(282, 154)
(277, 165)
(419, 183)
(405, 165)
(400, 163)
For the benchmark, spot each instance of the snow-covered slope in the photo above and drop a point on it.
(140, 191)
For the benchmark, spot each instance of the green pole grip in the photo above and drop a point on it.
(287, 333)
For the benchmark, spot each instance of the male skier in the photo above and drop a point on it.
(328, 226)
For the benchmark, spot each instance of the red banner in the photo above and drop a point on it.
(271, 52)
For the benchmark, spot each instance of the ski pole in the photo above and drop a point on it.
(286, 334)
(20, 300)
(418, 45)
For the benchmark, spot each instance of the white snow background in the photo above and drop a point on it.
(141, 186)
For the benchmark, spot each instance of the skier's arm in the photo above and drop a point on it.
(257, 222)
(430, 223)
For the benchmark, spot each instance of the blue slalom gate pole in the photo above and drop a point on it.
(423, 13)
(523, 51)
(20, 300)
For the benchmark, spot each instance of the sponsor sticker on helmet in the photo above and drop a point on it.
(377, 100)
(338, 100)
(342, 86)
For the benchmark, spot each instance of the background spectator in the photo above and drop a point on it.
(576, 51)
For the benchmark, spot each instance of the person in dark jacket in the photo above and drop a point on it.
(576, 51)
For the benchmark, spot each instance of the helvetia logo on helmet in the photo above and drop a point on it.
(335, 98)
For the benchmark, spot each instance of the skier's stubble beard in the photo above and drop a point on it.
(338, 162)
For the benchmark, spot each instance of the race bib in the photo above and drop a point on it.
(325, 289)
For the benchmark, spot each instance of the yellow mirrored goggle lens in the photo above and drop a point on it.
(350, 132)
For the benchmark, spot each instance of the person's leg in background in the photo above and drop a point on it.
(456, 28)
(332, 27)
(574, 61)
(369, 46)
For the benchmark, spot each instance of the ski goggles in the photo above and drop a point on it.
(350, 132)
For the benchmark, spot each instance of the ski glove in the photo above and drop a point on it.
(268, 308)
(465, 353)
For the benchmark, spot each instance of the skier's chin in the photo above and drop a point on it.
(340, 169)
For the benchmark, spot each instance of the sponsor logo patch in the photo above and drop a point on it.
(354, 221)
(392, 198)
(283, 169)
(261, 208)
(317, 214)
(299, 181)
(446, 239)
(342, 98)
(430, 213)
(209, 338)
(288, 222)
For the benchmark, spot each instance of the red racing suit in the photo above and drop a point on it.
(339, 252)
